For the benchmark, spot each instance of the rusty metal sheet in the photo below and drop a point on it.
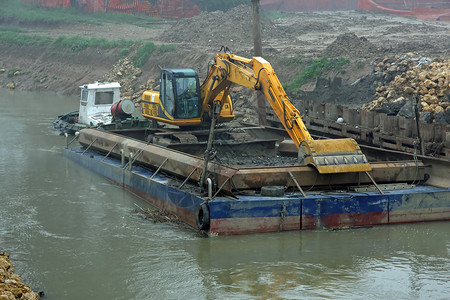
(382, 172)
(178, 163)
(182, 164)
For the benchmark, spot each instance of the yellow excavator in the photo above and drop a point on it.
(182, 101)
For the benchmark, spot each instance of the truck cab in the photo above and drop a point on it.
(95, 102)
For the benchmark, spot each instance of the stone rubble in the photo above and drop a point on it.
(427, 80)
(11, 285)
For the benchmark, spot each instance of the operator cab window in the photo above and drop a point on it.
(187, 98)
(167, 93)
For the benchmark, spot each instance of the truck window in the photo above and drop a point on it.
(104, 97)
(84, 96)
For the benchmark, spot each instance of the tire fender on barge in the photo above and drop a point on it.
(202, 217)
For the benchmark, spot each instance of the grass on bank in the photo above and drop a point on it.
(314, 69)
(143, 53)
(12, 29)
(30, 13)
(77, 43)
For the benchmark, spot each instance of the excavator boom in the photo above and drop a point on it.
(328, 156)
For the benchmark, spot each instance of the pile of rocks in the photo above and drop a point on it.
(11, 285)
(125, 73)
(128, 75)
(427, 81)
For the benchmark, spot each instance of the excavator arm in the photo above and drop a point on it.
(328, 156)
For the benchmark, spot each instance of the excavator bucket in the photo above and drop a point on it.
(335, 156)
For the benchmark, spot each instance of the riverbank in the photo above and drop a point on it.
(11, 284)
(346, 58)
(290, 43)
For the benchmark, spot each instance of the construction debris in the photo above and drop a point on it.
(426, 82)
(127, 74)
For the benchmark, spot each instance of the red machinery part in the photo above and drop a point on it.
(123, 107)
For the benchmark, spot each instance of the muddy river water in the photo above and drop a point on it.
(73, 235)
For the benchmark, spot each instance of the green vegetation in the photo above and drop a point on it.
(124, 52)
(12, 29)
(78, 43)
(166, 48)
(13, 71)
(74, 43)
(143, 53)
(296, 60)
(314, 69)
(29, 13)
(23, 39)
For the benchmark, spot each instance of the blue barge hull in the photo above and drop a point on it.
(258, 214)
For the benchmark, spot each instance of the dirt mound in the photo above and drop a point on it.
(233, 27)
(350, 45)
(308, 27)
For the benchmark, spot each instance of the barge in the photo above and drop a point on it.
(256, 185)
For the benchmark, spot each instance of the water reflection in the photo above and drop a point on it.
(369, 263)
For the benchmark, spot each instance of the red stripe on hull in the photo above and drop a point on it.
(345, 220)
(234, 226)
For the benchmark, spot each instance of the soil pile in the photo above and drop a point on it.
(426, 82)
(350, 45)
(11, 285)
(230, 28)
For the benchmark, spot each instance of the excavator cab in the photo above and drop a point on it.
(180, 93)
(178, 100)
